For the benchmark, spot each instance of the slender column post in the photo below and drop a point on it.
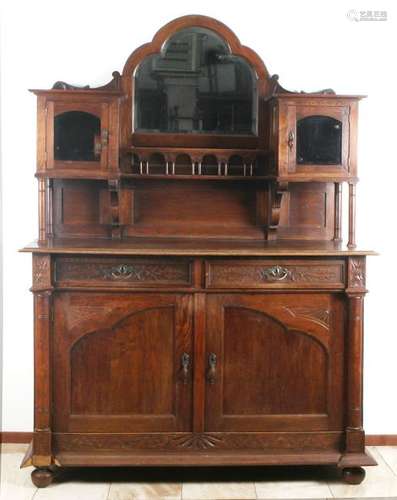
(42, 290)
(352, 216)
(338, 212)
(355, 439)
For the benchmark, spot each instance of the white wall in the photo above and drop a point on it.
(310, 44)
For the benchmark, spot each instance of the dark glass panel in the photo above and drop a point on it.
(319, 141)
(195, 85)
(76, 135)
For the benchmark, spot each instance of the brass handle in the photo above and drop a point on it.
(185, 362)
(211, 375)
(275, 273)
(104, 138)
(123, 271)
(291, 140)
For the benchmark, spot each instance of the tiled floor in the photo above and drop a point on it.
(195, 484)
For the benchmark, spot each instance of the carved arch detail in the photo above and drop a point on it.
(291, 320)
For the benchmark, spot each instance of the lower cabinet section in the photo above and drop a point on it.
(129, 372)
(125, 363)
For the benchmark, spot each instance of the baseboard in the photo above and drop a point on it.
(15, 437)
(381, 440)
(370, 439)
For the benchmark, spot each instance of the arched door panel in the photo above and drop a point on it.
(274, 365)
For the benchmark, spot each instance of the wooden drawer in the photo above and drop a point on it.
(123, 272)
(274, 273)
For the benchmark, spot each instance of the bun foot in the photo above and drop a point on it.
(353, 475)
(42, 477)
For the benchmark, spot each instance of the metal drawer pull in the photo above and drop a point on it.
(275, 273)
(185, 362)
(291, 140)
(211, 375)
(122, 271)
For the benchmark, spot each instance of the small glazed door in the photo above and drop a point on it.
(316, 139)
(274, 362)
(77, 135)
(122, 362)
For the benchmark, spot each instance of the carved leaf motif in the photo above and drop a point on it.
(319, 316)
(357, 273)
(88, 269)
(225, 441)
(41, 271)
(198, 441)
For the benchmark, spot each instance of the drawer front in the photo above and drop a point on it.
(123, 272)
(274, 273)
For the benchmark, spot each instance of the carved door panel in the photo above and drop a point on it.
(274, 362)
(122, 362)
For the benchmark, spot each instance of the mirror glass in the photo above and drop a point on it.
(77, 136)
(319, 141)
(195, 86)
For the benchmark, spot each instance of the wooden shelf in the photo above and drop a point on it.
(193, 246)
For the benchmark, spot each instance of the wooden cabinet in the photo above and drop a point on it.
(316, 136)
(194, 302)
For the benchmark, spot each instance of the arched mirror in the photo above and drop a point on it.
(195, 85)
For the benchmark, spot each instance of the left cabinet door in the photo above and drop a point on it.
(122, 362)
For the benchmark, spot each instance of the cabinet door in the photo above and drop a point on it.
(77, 135)
(317, 139)
(122, 362)
(274, 362)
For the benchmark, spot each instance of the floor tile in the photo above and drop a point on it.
(15, 482)
(292, 489)
(389, 455)
(218, 491)
(73, 490)
(145, 491)
(380, 481)
(14, 448)
(385, 487)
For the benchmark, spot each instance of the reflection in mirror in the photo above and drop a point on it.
(195, 85)
(77, 136)
(319, 141)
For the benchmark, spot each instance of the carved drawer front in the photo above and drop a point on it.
(123, 272)
(275, 273)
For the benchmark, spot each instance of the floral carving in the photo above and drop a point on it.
(194, 442)
(357, 273)
(319, 316)
(199, 441)
(41, 271)
(128, 271)
(222, 274)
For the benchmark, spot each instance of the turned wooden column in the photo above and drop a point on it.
(45, 209)
(338, 212)
(352, 216)
(355, 439)
(42, 290)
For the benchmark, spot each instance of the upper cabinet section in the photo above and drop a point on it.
(195, 85)
(313, 136)
(196, 102)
